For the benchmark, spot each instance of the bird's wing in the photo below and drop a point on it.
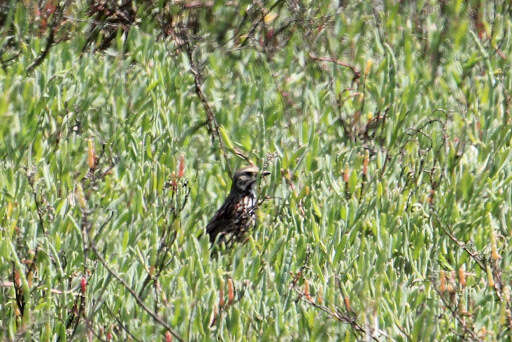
(220, 219)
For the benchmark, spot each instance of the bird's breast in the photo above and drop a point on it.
(249, 201)
(245, 206)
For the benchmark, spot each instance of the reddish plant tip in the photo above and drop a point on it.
(490, 277)
(168, 336)
(462, 277)
(83, 285)
(231, 291)
(109, 336)
(319, 299)
(221, 296)
(181, 167)
(173, 182)
(368, 67)
(50, 8)
(17, 279)
(346, 174)
(431, 196)
(494, 250)
(306, 291)
(91, 154)
(442, 282)
(365, 163)
(346, 299)
(269, 35)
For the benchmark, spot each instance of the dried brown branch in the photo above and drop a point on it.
(213, 125)
(6, 283)
(261, 19)
(337, 315)
(56, 20)
(355, 72)
(473, 254)
(174, 205)
(139, 301)
(455, 314)
(348, 317)
(121, 324)
(224, 305)
(482, 263)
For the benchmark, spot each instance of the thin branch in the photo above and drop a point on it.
(30, 178)
(357, 73)
(50, 40)
(338, 315)
(139, 301)
(261, 20)
(497, 289)
(125, 328)
(474, 255)
(455, 315)
(213, 125)
(7, 283)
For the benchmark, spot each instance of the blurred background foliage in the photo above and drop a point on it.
(386, 126)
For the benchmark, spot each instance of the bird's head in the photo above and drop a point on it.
(245, 179)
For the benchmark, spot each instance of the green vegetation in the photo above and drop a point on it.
(386, 126)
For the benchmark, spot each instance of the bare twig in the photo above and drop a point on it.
(459, 319)
(213, 125)
(474, 255)
(482, 263)
(30, 178)
(6, 283)
(124, 327)
(139, 301)
(261, 20)
(355, 72)
(348, 317)
(224, 305)
(168, 234)
(337, 315)
(50, 40)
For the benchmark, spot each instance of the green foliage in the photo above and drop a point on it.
(387, 215)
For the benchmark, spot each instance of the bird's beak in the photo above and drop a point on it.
(265, 173)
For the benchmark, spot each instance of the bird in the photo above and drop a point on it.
(236, 217)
